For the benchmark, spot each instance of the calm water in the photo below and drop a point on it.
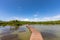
(8, 33)
(49, 32)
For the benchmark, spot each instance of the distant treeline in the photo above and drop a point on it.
(19, 23)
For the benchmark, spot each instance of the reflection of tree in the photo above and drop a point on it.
(16, 27)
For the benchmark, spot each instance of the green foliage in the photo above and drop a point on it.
(17, 23)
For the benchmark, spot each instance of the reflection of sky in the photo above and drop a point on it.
(22, 29)
(4, 29)
(52, 29)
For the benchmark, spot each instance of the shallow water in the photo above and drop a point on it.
(49, 32)
(8, 33)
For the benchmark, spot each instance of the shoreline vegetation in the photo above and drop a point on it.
(19, 23)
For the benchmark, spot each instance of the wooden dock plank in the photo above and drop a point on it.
(35, 35)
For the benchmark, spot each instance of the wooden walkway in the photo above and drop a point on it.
(35, 34)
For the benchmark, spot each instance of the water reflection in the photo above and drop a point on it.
(9, 33)
(9, 29)
(22, 29)
(10, 37)
(48, 34)
(6, 30)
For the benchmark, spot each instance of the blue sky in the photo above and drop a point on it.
(30, 10)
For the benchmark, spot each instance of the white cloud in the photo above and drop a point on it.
(57, 17)
(26, 19)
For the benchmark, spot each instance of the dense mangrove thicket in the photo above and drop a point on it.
(19, 23)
